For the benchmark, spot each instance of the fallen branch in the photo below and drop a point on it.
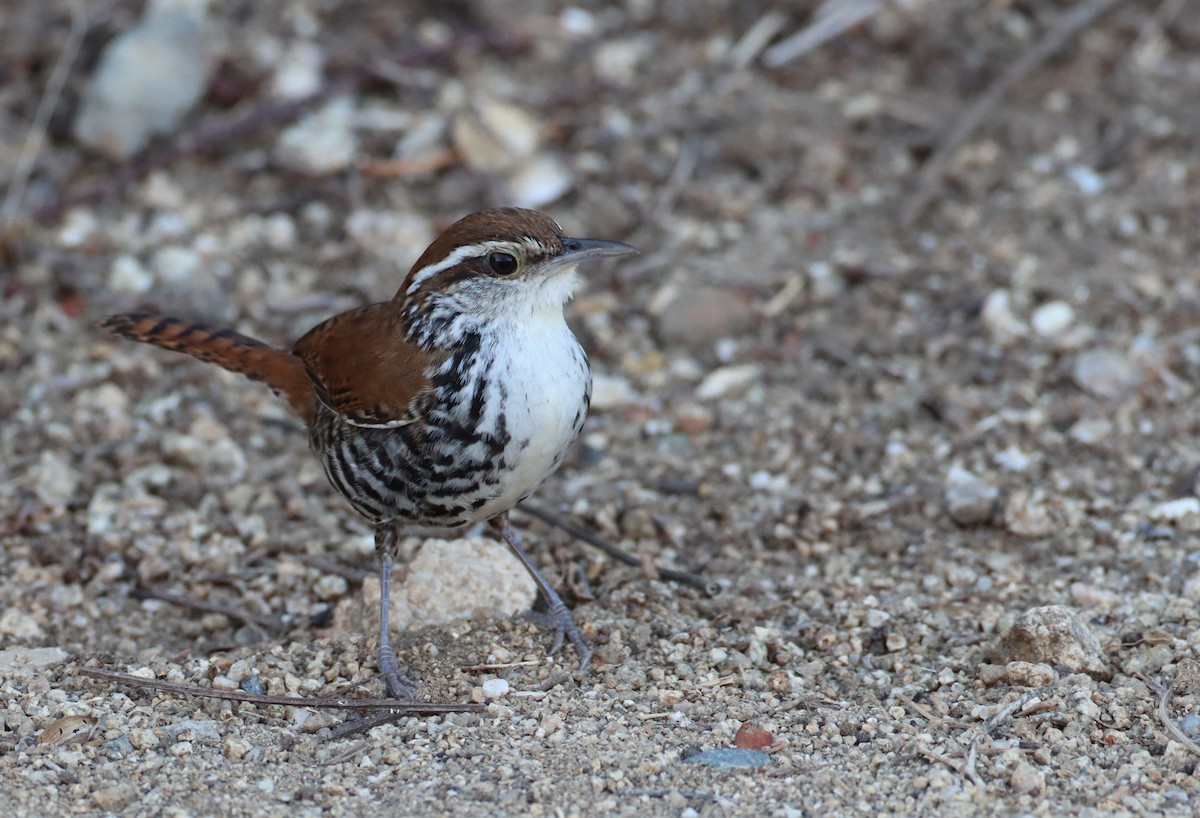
(269, 623)
(328, 703)
(579, 532)
(1065, 28)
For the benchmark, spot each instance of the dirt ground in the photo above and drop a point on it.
(886, 411)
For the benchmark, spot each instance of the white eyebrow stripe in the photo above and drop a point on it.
(425, 273)
(459, 255)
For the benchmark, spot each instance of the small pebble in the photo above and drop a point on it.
(1175, 510)
(321, 142)
(1105, 372)
(999, 318)
(612, 392)
(751, 736)
(1091, 431)
(698, 316)
(495, 688)
(726, 379)
(1087, 180)
(969, 500)
(253, 685)
(1053, 319)
(1026, 514)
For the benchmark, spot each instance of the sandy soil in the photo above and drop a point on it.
(882, 435)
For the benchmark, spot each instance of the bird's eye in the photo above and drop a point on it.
(502, 264)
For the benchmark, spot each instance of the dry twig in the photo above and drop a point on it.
(1168, 723)
(579, 532)
(269, 623)
(1065, 28)
(832, 19)
(330, 703)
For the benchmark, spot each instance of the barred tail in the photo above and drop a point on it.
(281, 371)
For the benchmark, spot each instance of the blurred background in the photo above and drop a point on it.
(910, 348)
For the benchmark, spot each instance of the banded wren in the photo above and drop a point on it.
(445, 406)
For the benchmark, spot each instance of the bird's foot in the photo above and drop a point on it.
(399, 686)
(556, 618)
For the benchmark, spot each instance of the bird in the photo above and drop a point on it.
(446, 405)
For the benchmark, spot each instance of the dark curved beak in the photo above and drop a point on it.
(576, 250)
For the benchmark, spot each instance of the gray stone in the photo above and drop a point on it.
(724, 758)
(1055, 636)
(700, 315)
(147, 79)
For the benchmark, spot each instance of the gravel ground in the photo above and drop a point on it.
(939, 464)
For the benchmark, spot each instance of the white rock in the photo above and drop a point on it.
(999, 318)
(299, 72)
(1087, 180)
(539, 182)
(390, 234)
(176, 264)
(1173, 510)
(612, 392)
(330, 586)
(14, 659)
(617, 60)
(448, 580)
(1106, 372)
(577, 21)
(1053, 319)
(1027, 515)
(148, 77)
(53, 480)
(16, 623)
(969, 500)
(79, 225)
(495, 688)
(322, 142)
(1091, 431)
(825, 282)
(1191, 590)
(496, 136)
(128, 275)
(726, 379)
(768, 482)
(1012, 459)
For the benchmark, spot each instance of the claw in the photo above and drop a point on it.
(399, 686)
(559, 621)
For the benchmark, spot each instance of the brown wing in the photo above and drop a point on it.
(362, 366)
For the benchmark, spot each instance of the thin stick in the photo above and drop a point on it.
(413, 708)
(580, 533)
(327, 565)
(367, 723)
(833, 18)
(1164, 696)
(1065, 28)
(269, 622)
(933, 755)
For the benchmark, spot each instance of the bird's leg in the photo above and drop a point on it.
(555, 617)
(398, 685)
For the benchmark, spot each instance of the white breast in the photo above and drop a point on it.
(544, 375)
